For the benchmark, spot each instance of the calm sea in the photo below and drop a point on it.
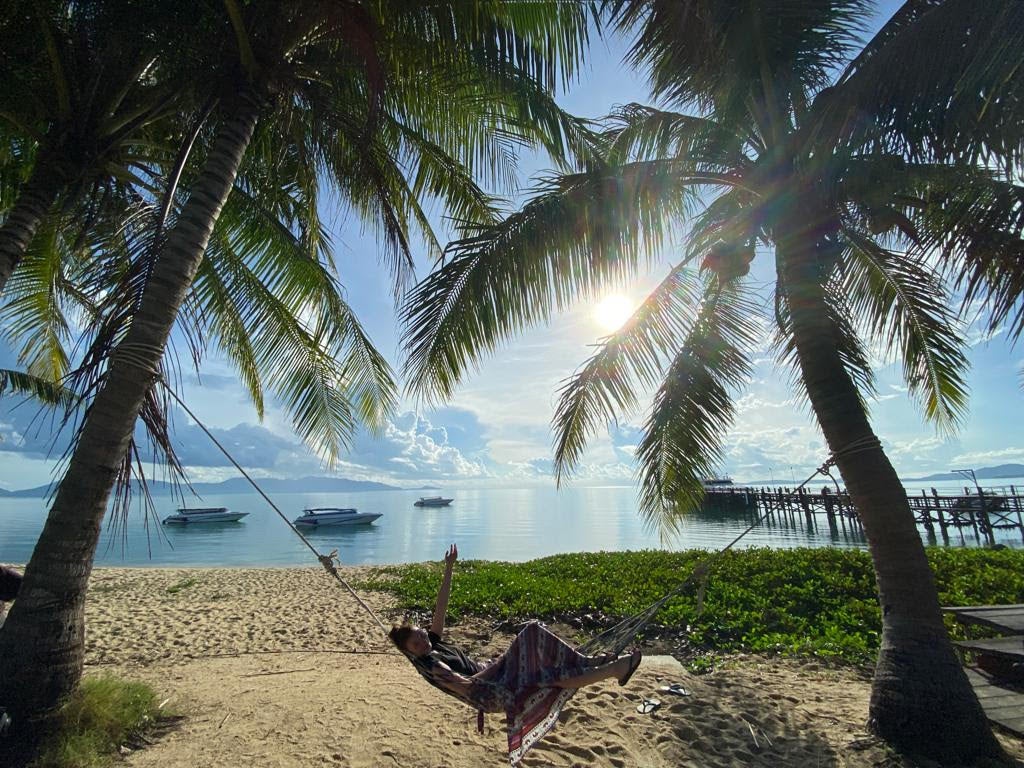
(493, 524)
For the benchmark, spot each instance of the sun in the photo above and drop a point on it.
(612, 311)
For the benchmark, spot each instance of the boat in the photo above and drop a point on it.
(203, 515)
(433, 501)
(318, 516)
(717, 482)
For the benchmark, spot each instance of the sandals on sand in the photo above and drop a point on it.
(675, 689)
(647, 706)
(634, 663)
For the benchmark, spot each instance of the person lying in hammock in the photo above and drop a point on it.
(529, 682)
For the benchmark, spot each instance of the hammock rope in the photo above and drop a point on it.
(611, 641)
(615, 639)
(327, 561)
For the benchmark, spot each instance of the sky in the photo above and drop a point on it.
(496, 429)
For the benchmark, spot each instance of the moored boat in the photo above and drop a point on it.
(191, 515)
(318, 516)
(433, 501)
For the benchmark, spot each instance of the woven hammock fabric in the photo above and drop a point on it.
(520, 684)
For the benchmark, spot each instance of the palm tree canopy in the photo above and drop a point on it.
(755, 146)
(389, 110)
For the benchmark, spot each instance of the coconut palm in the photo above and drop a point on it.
(410, 101)
(85, 106)
(779, 137)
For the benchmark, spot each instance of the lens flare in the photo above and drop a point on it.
(612, 311)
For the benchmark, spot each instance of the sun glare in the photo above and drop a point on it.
(612, 311)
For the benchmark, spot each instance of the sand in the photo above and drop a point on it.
(282, 668)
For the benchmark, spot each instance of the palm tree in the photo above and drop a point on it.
(409, 102)
(779, 138)
(83, 94)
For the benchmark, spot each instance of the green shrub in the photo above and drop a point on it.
(101, 715)
(810, 602)
(183, 584)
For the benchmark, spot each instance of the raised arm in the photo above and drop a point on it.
(441, 607)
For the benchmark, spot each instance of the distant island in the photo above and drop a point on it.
(985, 473)
(241, 485)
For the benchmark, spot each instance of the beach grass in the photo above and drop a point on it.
(815, 602)
(102, 715)
(182, 585)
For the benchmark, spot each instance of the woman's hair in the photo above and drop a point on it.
(400, 634)
(10, 583)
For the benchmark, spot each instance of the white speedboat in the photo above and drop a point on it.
(433, 501)
(204, 515)
(318, 516)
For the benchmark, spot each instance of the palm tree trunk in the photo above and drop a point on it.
(921, 700)
(34, 201)
(42, 642)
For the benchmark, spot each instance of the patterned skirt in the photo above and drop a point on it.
(519, 683)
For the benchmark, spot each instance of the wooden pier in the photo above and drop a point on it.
(983, 511)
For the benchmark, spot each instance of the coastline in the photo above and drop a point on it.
(280, 666)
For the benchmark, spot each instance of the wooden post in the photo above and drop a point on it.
(928, 523)
(830, 512)
(986, 522)
(805, 503)
(942, 518)
(826, 500)
(1016, 506)
(970, 513)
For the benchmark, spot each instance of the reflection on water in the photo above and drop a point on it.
(495, 524)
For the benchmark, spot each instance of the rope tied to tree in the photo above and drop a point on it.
(619, 636)
(612, 640)
(327, 561)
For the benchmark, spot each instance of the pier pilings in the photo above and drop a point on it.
(982, 511)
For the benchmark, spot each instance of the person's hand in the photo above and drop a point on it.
(451, 556)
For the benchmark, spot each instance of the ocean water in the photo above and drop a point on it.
(512, 524)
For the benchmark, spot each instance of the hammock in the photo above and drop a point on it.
(520, 684)
(530, 718)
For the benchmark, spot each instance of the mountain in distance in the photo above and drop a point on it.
(241, 485)
(985, 473)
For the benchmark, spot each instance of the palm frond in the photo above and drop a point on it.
(35, 313)
(693, 408)
(638, 132)
(721, 54)
(605, 387)
(960, 89)
(579, 232)
(976, 226)
(43, 390)
(904, 307)
(276, 311)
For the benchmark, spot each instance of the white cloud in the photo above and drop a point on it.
(1000, 456)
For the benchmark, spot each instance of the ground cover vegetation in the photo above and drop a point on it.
(103, 716)
(806, 602)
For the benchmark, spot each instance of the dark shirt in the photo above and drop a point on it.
(456, 660)
(10, 583)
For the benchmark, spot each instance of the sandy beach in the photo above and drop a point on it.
(282, 668)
